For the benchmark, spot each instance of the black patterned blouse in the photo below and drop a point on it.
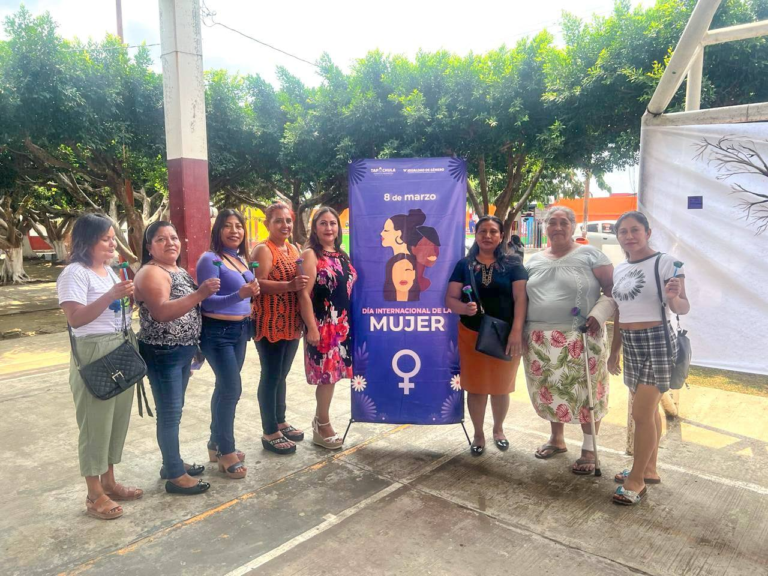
(184, 331)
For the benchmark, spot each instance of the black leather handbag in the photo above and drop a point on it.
(683, 357)
(115, 372)
(493, 333)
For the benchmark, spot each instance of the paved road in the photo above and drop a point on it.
(398, 500)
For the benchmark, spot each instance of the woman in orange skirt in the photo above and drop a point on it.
(500, 288)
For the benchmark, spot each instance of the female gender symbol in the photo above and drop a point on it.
(406, 384)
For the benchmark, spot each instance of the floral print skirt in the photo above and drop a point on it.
(557, 381)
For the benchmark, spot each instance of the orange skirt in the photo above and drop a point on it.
(483, 374)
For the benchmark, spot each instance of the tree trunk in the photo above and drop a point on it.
(483, 185)
(588, 178)
(473, 198)
(12, 269)
(60, 247)
(26, 249)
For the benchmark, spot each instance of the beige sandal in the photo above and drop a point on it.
(102, 508)
(122, 494)
(331, 442)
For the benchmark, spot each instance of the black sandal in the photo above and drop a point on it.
(476, 450)
(287, 432)
(198, 488)
(270, 445)
(501, 444)
(192, 470)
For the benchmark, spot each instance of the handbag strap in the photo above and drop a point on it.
(664, 323)
(473, 284)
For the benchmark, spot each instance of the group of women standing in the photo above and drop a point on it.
(268, 297)
(560, 289)
(277, 294)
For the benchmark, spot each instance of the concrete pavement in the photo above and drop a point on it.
(397, 500)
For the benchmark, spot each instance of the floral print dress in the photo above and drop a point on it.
(331, 359)
(557, 382)
(555, 355)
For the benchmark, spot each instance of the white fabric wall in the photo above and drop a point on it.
(726, 263)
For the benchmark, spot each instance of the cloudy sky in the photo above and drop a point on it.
(345, 29)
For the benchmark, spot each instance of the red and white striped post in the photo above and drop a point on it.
(185, 132)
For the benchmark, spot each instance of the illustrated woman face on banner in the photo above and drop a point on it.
(399, 228)
(400, 284)
(426, 251)
(427, 248)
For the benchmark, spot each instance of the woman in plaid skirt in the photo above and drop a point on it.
(640, 333)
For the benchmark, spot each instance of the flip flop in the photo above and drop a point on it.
(583, 462)
(625, 497)
(293, 434)
(553, 450)
(624, 474)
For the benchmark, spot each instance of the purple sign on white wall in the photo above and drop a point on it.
(407, 228)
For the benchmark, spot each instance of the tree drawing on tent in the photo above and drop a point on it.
(731, 157)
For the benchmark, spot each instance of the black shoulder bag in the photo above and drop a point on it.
(682, 363)
(115, 372)
(493, 332)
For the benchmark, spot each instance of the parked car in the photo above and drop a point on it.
(599, 234)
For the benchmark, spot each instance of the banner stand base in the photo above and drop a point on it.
(344, 439)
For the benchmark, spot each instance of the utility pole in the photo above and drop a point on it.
(128, 185)
(588, 178)
(119, 8)
(185, 132)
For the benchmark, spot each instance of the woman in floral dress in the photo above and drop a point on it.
(325, 309)
(565, 282)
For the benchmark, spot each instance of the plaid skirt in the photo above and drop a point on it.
(646, 359)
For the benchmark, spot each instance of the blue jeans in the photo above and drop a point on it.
(168, 372)
(223, 343)
(276, 359)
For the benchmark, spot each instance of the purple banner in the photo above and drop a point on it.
(407, 233)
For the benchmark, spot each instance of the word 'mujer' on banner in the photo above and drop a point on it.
(407, 227)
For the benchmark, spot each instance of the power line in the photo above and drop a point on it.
(84, 49)
(209, 14)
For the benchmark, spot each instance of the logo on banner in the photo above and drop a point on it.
(406, 384)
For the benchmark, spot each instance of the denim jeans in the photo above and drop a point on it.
(276, 359)
(168, 372)
(223, 343)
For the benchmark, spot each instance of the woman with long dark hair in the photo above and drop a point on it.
(94, 300)
(278, 326)
(226, 331)
(500, 281)
(641, 322)
(397, 231)
(169, 313)
(325, 309)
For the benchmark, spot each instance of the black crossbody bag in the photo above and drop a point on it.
(115, 372)
(683, 359)
(493, 333)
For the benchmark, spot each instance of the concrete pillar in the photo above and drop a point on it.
(693, 86)
(185, 133)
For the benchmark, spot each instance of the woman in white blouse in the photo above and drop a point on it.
(93, 297)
